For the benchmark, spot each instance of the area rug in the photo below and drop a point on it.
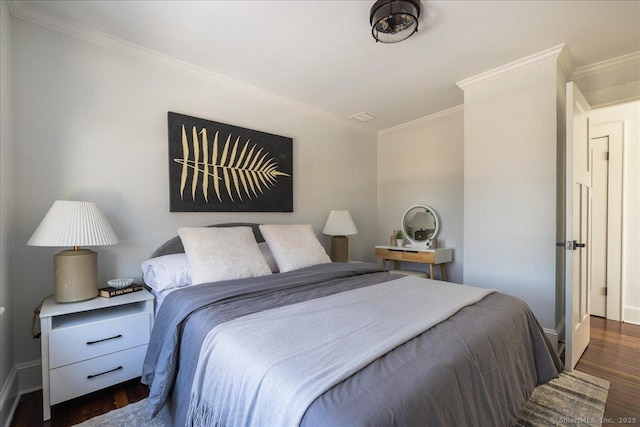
(574, 399)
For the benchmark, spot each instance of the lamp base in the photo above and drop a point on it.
(339, 249)
(75, 275)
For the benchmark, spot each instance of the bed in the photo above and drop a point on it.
(232, 352)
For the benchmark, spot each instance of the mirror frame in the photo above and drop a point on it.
(420, 243)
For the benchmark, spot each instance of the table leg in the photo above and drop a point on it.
(443, 272)
(431, 275)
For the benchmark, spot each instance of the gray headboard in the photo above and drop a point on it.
(174, 245)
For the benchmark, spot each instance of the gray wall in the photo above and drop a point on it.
(7, 356)
(422, 163)
(510, 186)
(90, 123)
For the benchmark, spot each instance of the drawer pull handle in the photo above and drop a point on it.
(105, 372)
(106, 339)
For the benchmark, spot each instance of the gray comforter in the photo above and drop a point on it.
(477, 368)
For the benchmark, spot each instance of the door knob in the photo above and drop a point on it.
(572, 245)
(575, 245)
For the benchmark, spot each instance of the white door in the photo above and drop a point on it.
(578, 209)
(606, 224)
(599, 224)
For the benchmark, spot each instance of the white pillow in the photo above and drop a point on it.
(167, 271)
(268, 256)
(294, 246)
(222, 253)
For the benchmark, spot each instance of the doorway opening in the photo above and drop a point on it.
(605, 150)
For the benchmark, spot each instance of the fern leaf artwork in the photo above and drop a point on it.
(216, 167)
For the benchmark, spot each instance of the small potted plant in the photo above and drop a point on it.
(399, 238)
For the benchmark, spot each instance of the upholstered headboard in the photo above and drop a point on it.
(174, 245)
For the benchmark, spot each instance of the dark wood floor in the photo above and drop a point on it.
(29, 411)
(613, 354)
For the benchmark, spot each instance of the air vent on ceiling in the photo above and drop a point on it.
(363, 117)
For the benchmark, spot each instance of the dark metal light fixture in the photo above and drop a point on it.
(394, 20)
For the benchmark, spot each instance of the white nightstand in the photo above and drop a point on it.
(90, 345)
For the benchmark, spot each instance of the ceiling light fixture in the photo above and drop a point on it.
(394, 20)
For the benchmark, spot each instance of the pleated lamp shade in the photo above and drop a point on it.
(74, 224)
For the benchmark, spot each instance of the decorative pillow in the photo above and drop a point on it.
(294, 246)
(166, 272)
(222, 253)
(268, 256)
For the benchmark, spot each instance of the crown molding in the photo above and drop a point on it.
(424, 119)
(21, 10)
(552, 54)
(565, 61)
(608, 65)
(615, 95)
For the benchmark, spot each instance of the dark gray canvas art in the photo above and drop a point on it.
(216, 167)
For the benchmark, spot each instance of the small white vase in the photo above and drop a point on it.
(400, 242)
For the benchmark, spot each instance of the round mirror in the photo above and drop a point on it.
(420, 224)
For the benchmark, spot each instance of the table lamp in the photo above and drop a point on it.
(74, 224)
(339, 225)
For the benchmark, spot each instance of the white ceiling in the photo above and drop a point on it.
(321, 53)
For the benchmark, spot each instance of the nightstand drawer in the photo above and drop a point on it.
(424, 257)
(81, 378)
(389, 254)
(93, 339)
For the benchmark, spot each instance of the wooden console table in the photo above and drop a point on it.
(440, 256)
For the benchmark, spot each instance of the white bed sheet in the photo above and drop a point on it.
(160, 296)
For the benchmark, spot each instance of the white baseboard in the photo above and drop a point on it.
(29, 376)
(23, 378)
(556, 336)
(631, 315)
(560, 329)
(553, 337)
(9, 398)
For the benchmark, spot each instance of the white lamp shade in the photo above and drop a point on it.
(340, 223)
(422, 220)
(72, 223)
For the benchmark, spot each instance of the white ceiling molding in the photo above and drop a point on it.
(428, 118)
(22, 11)
(610, 82)
(607, 66)
(614, 95)
(552, 54)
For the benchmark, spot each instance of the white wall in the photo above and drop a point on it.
(7, 374)
(90, 123)
(422, 163)
(510, 128)
(630, 114)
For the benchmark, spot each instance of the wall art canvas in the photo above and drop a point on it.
(216, 167)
